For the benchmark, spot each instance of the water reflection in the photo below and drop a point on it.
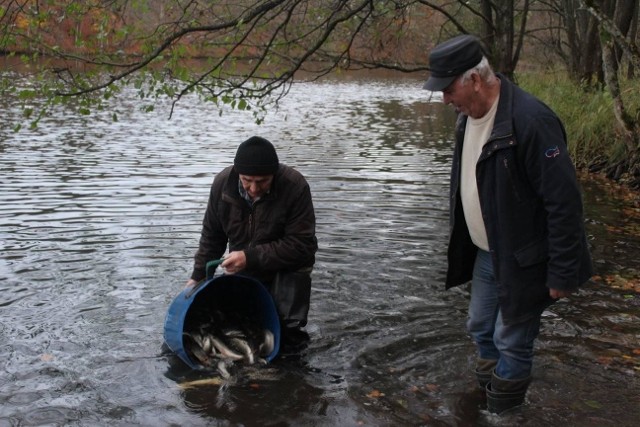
(100, 220)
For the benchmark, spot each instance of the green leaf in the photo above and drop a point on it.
(26, 94)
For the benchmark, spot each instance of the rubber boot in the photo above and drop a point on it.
(504, 394)
(483, 371)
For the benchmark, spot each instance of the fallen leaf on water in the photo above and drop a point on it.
(604, 360)
(425, 417)
(374, 394)
(432, 387)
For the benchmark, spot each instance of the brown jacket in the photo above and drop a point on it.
(277, 233)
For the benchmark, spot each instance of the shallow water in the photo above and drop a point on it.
(99, 222)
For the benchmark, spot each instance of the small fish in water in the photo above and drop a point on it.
(251, 373)
(201, 382)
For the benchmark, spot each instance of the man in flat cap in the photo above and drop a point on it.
(262, 210)
(516, 222)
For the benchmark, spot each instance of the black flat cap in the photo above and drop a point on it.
(450, 59)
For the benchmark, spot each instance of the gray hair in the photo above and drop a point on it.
(483, 69)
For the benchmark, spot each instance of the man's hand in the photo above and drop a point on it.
(234, 262)
(190, 283)
(557, 293)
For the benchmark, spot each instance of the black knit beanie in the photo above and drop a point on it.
(256, 156)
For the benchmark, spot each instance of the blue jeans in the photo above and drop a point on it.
(511, 345)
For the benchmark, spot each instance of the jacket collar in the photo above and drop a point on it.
(233, 183)
(503, 123)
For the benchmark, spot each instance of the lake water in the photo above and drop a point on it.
(99, 221)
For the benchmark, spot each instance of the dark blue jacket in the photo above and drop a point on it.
(531, 205)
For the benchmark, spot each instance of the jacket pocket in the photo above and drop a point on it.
(533, 253)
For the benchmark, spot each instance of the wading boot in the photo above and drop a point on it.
(483, 371)
(504, 394)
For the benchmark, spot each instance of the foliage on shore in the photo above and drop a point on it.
(594, 137)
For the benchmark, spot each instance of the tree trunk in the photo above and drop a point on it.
(500, 33)
(633, 34)
(612, 39)
(610, 66)
(584, 51)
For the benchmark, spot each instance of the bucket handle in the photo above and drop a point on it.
(211, 267)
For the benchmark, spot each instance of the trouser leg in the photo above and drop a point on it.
(512, 375)
(291, 292)
(483, 307)
(505, 350)
(515, 344)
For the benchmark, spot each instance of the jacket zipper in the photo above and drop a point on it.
(510, 173)
(251, 227)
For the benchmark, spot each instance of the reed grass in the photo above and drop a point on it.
(587, 113)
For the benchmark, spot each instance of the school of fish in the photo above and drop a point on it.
(218, 340)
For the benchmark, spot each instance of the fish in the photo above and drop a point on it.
(207, 345)
(195, 349)
(244, 348)
(222, 368)
(268, 343)
(200, 382)
(251, 374)
(216, 339)
(225, 352)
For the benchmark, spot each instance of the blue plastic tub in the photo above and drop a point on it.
(228, 293)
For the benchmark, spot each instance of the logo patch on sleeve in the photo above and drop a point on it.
(552, 152)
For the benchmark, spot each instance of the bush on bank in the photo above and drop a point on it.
(588, 116)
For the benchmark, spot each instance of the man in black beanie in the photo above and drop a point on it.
(262, 210)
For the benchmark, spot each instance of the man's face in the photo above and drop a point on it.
(256, 185)
(462, 95)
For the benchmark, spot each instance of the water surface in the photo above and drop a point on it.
(99, 221)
